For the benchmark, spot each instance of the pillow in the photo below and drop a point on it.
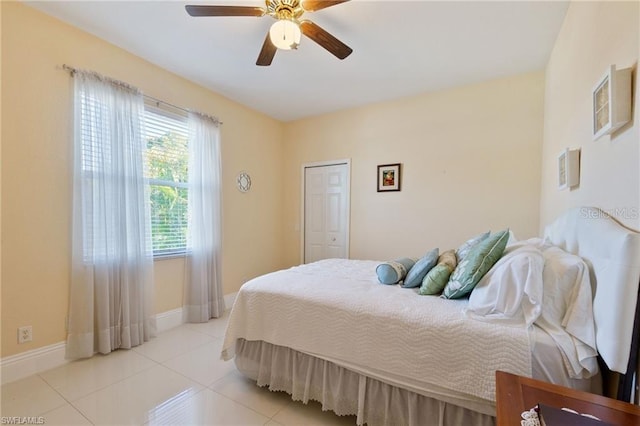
(475, 264)
(449, 257)
(394, 271)
(468, 245)
(563, 273)
(420, 269)
(512, 290)
(437, 278)
(568, 311)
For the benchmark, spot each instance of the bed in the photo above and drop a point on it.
(329, 332)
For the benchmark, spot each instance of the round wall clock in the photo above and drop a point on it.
(243, 181)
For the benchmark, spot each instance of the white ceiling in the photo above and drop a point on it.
(401, 48)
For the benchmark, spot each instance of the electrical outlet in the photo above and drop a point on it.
(25, 334)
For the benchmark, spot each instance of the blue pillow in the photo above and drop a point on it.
(394, 271)
(420, 269)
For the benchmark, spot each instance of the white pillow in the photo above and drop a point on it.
(568, 311)
(536, 242)
(561, 273)
(512, 290)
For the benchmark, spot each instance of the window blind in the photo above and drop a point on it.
(166, 138)
(110, 128)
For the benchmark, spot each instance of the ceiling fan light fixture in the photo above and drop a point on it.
(285, 34)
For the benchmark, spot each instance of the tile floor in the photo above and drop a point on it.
(175, 379)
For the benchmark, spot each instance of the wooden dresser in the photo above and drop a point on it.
(515, 394)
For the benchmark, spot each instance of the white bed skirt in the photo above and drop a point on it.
(345, 392)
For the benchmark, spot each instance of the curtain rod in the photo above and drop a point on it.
(73, 70)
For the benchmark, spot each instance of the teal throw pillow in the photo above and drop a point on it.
(469, 244)
(394, 271)
(436, 280)
(475, 264)
(420, 269)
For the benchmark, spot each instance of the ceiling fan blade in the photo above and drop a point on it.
(199, 10)
(267, 53)
(313, 5)
(324, 39)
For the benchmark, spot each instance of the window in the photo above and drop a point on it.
(166, 137)
(108, 171)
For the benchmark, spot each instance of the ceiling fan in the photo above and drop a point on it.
(285, 33)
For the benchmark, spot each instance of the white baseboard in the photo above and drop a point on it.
(175, 317)
(169, 319)
(31, 362)
(16, 367)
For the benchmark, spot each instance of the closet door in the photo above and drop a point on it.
(326, 212)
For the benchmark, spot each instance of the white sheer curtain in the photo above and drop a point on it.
(203, 295)
(112, 260)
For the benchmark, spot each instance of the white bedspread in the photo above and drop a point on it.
(336, 310)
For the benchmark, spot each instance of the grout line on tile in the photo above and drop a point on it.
(221, 378)
(190, 350)
(113, 384)
(238, 402)
(103, 387)
(74, 408)
(186, 377)
(54, 389)
(37, 375)
(291, 401)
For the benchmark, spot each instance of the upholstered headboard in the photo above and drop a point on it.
(613, 255)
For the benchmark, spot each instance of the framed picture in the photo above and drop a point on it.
(568, 168)
(389, 177)
(602, 106)
(611, 100)
(562, 171)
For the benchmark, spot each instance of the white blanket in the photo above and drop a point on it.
(336, 310)
(568, 314)
(535, 282)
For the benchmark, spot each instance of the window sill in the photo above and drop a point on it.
(168, 256)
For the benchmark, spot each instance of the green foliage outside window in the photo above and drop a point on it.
(167, 162)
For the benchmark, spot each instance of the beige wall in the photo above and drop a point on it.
(470, 156)
(593, 36)
(473, 159)
(36, 172)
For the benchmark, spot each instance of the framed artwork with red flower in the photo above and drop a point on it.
(389, 177)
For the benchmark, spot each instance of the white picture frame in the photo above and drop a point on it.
(611, 101)
(568, 169)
